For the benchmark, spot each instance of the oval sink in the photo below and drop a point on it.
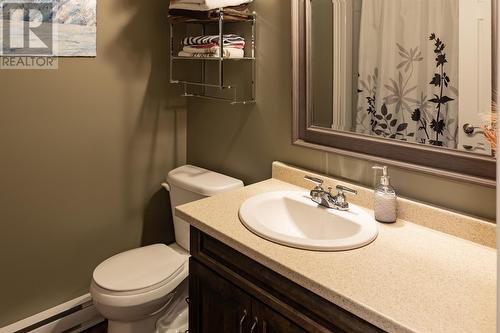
(291, 218)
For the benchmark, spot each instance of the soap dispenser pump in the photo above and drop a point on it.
(384, 198)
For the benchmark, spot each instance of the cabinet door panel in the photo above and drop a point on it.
(271, 321)
(215, 304)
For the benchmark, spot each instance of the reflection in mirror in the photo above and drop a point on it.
(416, 71)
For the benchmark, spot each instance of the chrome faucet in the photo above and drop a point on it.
(326, 199)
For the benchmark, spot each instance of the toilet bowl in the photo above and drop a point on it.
(144, 290)
(133, 289)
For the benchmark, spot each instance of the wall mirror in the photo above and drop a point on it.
(403, 82)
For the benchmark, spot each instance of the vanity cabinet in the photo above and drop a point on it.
(230, 292)
(220, 306)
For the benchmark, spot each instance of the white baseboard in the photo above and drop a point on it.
(71, 317)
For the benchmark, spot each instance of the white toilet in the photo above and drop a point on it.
(138, 288)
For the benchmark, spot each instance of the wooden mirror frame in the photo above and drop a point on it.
(441, 162)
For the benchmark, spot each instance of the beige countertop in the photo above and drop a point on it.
(410, 279)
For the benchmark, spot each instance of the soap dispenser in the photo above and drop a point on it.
(384, 198)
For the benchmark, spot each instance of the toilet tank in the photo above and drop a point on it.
(190, 183)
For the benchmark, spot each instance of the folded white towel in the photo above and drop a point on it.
(190, 1)
(229, 53)
(204, 5)
(212, 49)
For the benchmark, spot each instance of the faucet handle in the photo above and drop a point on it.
(317, 181)
(343, 189)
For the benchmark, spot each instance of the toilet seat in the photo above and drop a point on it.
(138, 269)
(151, 273)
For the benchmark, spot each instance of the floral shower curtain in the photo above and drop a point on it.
(408, 71)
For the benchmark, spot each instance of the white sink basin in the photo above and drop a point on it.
(291, 218)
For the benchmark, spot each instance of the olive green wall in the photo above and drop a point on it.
(244, 140)
(83, 150)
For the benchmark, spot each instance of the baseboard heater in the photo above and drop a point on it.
(71, 317)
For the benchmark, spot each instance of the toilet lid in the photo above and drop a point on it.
(139, 268)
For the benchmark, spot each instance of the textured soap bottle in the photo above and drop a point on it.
(385, 198)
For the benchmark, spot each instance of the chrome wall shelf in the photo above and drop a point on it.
(228, 81)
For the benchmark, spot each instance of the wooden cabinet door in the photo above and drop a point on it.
(216, 305)
(269, 321)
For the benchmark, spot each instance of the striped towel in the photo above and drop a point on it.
(209, 48)
(214, 39)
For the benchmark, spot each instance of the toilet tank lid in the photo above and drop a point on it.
(202, 181)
